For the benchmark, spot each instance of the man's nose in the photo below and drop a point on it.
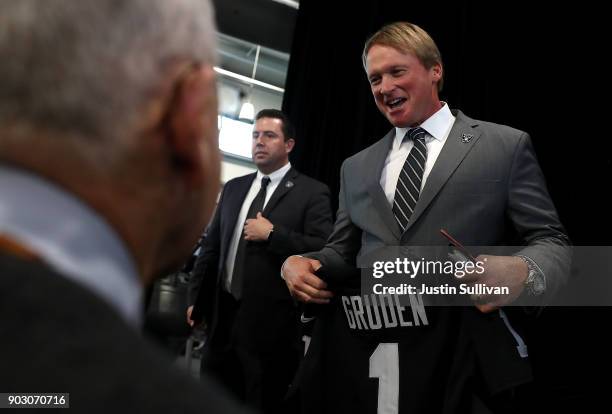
(386, 85)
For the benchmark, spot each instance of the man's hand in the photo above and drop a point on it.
(303, 284)
(502, 271)
(190, 321)
(257, 229)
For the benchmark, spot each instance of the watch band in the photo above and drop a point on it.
(535, 284)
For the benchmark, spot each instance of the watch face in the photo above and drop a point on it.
(536, 283)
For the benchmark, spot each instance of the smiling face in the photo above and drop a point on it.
(270, 149)
(405, 91)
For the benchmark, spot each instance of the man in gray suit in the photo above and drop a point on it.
(436, 169)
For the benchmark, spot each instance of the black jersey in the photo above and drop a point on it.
(390, 358)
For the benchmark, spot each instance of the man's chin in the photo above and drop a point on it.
(400, 120)
(260, 162)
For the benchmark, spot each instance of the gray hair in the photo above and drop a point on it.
(85, 67)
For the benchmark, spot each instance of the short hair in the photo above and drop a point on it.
(287, 127)
(83, 68)
(407, 38)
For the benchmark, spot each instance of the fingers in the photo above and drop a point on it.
(471, 272)
(309, 288)
(247, 231)
(315, 264)
(487, 308)
(315, 289)
(470, 277)
(255, 229)
(303, 284)
(314, 281)
(189, 320)
(305, 298)
(487, 303)
(251, 220)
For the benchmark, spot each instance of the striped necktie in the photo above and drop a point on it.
(409, 182)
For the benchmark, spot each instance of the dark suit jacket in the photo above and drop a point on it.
(59, 337)
(300, 211)
(486, 188)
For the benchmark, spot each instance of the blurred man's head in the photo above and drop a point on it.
(273, 140)
(116, 102)
(404, 68)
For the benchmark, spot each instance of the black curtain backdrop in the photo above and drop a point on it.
(538, 67)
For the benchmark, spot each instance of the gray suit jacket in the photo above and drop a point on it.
(488, 191)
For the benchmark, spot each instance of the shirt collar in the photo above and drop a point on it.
(276, 176)
(71, 238)
(436, 125)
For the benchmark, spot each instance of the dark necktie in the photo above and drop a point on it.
(409, 182)
(238, 273)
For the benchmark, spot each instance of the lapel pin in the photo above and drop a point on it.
(465, 138)
(289, 184)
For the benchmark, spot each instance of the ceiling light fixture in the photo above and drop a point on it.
(247, 112)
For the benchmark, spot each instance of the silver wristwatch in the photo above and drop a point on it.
(535, 284)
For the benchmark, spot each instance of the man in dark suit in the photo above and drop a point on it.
(261, 219)
(108, 165)
(436, 169)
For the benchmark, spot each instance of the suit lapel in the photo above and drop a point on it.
(235, 202)
(286, 184)
(459, 142)
(376, 159)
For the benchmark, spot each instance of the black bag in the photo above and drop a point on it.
(166, 312)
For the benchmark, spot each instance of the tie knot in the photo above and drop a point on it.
(265, 181)
(415, 133)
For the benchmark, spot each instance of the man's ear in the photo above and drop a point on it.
(289, 144)
(436, 71)
(191, 122)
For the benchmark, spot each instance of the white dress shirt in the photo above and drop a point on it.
(437, 126)
(71, 238)
(275, 179)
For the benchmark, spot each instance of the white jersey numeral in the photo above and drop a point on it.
(384, 365)
(306, 339)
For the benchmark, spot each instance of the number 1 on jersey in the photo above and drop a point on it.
(384, 365)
